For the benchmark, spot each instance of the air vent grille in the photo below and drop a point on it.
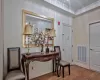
(82, 53)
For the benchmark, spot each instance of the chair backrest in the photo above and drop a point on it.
(13, 58)
(57, 49)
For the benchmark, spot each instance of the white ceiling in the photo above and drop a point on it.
(71, 7)
(75, 5)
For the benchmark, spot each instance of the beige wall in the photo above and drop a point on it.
(81, 32)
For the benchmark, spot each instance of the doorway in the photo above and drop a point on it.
(66, 43)
(94, 43)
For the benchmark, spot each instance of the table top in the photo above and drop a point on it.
(39, 54)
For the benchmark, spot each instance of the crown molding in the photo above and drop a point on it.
(59, 6)
(67, 11)
(88, 8)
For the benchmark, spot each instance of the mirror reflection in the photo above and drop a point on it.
(38, 30)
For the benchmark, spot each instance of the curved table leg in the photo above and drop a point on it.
(53, 65)
(27, 70)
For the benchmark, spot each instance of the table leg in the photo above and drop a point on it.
(22, 62)
(53, 62)
(27, 70)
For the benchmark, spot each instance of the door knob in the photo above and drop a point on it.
(91, 49)
(62, 34)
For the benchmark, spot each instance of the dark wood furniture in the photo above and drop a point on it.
(38, 56)
(60, 62)
(14, 65)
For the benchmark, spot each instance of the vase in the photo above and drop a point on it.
(42, 47)
(47, 50)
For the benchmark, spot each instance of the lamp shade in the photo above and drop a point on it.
(28, 29)
(52, 33)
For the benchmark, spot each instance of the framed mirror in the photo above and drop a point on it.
(37, 30)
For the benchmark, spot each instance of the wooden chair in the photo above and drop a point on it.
(14, 65)
(60, 62)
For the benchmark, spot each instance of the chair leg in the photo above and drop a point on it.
(63, 71)
(69, 68)
(60, 68)
(55, 67)
(57, 70)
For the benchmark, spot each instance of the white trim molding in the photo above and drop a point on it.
(80, 11)
(88, 8)
(54, 3)
(82, 65)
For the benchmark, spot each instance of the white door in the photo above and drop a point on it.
(95, 46)
(66, 43)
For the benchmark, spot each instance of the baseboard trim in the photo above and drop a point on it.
(84, 65)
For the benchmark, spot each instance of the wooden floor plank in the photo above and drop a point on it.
(77, 73)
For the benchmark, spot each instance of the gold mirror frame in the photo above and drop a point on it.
(24, 12)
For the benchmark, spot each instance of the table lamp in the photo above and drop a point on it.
(28, 32)
(52, 33)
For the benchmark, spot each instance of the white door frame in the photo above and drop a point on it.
(71, 40)
(89, 40)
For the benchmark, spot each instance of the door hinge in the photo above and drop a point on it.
(72, 45)
(72, 60)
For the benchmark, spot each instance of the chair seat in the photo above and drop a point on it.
(15, 75)
(64, 63)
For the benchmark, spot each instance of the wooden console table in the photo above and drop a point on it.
(38, 56)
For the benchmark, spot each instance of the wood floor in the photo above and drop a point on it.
(77, 73)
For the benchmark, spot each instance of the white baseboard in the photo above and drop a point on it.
(72, 63)
(84, 65)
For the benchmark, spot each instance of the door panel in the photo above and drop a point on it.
(66, 43)
(95, 46)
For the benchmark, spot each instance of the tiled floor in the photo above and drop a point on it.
(77, 73)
